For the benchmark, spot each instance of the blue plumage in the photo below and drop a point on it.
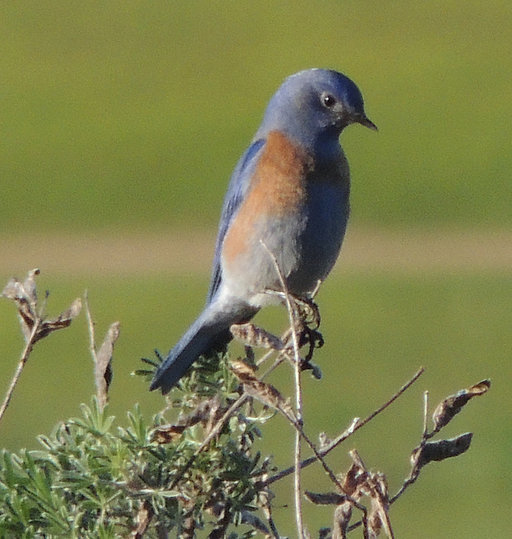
(290, 190)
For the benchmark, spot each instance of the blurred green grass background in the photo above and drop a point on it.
(136, 104)
(127, 116)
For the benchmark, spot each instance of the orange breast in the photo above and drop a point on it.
(278, 187)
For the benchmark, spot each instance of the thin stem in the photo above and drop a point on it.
(416, 467)
(298, 487)
(23, 360)
(425, 414)
(376, 412)
(298, 412)
(90, 323)
(411, 479)
(292, 315)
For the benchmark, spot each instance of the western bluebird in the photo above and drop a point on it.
(289, 194)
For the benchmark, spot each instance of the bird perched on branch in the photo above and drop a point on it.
(289, 197)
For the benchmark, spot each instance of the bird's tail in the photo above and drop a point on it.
(209, 331)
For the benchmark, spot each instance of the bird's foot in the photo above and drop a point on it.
(309, 312)
(312, 338)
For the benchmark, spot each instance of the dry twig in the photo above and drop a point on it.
(292, 315)
(34, 324)
(103, 357)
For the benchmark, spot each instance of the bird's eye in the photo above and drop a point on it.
(328, 100)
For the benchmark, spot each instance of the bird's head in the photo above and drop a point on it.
(314, 106)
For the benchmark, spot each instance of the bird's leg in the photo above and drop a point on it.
(307, 323)
(308, 311)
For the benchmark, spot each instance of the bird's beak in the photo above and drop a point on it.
(364, 120)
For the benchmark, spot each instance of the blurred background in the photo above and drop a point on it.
(121, 123)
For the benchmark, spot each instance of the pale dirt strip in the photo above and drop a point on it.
(189, 252)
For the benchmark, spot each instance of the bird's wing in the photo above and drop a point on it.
(237, 189)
